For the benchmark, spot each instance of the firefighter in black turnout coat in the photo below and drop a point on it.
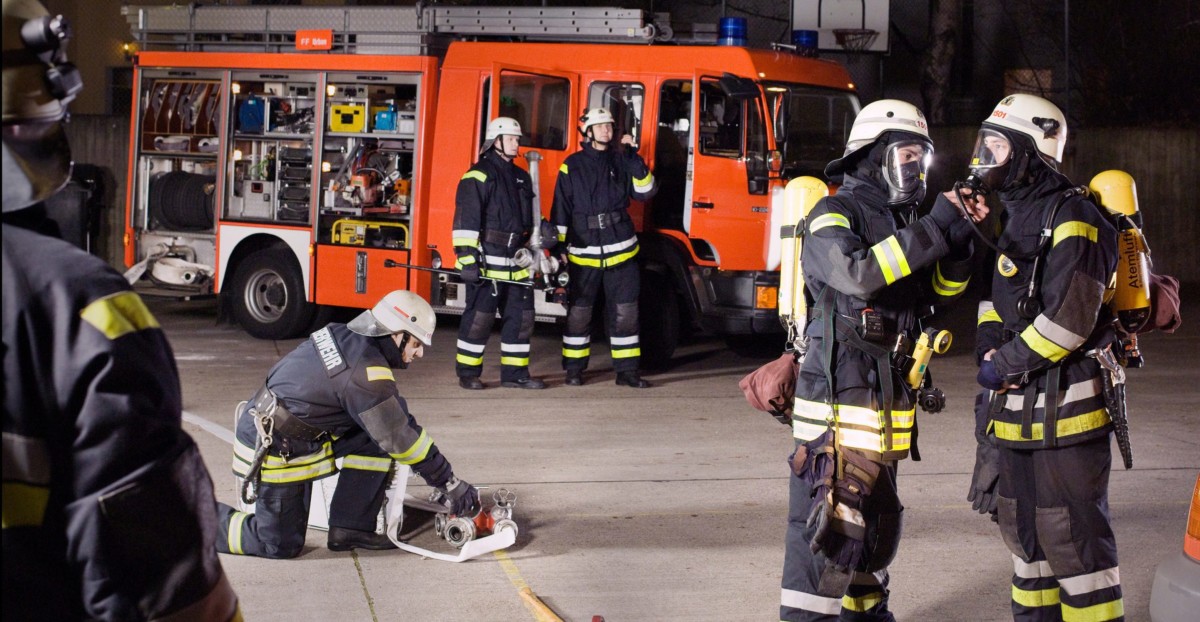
(872, 271)
(493, 218)
(335, 396)
(1047, 409)
(591, 203)
(107, 503)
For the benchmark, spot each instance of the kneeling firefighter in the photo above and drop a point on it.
(1042, 340)
(872, 270)
(335, 396)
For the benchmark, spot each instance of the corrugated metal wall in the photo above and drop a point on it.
(1162, 161)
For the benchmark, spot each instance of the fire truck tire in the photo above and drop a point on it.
(658, 311)
(267, 296)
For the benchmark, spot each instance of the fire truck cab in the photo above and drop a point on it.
(284, 178)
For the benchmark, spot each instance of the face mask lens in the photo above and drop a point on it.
(907, 164)
(992, 150)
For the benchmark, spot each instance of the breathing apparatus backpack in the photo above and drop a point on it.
(1128, 293)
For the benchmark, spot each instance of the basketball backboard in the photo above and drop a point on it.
(844, 25)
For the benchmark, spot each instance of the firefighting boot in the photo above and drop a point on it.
(524, 383)
(631, 379)
(471, 383)
(574, 378)
(343, 539)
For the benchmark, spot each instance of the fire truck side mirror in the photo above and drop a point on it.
(738, 87)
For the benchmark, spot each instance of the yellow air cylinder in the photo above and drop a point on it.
(928, 343)
(800, 196)
(1131, 300)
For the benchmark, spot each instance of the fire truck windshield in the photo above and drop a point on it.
(810, 125)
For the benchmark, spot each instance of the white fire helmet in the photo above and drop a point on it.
(1034, 117)
(885, 115)
(398, 312)
(500, 126)
(594, 116)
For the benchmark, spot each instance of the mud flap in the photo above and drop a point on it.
(883, 540)
(1054, 534)
(1006, 515)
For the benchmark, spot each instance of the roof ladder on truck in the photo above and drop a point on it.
(379, 29)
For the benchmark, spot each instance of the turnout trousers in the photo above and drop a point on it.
(516, 325)
(279, 523)
(867, 597)
(1053, 514)
(621, 285)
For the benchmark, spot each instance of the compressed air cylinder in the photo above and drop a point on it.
(800, 196)
(1131, 299)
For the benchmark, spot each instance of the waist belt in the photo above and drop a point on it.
(504, 238)
(265, 404)
(607, 219)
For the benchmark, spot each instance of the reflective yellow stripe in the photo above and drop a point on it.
(989, 316)
(417, 452)
(1064, 427)
(563, 168)
(626, 353)
(511, 275)
(1095, 613)
(472, 242)
(298, 474)
(862, 603)
(24, 505)
(1073, 228)
(603, 263)
(514, 360)
(465, 260)
(944, 286)
(829, 220)
(367, 463)
(1044, 347)
(891, 260)
(1035, 598)
(119, 314)
(234, 540)
(469, 360)
(577, 354)
(380, 373)
(473, 174)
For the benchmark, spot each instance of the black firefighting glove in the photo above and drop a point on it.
(837, 519)
(959, 235)
(460, 497)
(549, 235)
(944, 213)
(470, 273)
(982, 493)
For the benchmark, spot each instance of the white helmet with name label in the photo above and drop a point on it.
(398, 312)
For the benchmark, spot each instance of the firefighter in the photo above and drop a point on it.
(335, 396)
(591, 203)
(872, 270)
(107, 503)
(1048, 413)
(493, 218)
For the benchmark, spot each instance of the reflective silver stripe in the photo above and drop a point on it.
(518, 348)
(810, 602)
(465, 234)
(494, 260)
(984, 307)
(562, 229)
(644, 184)
(576, 341)
(623, 341)
(1091, 582)
(26, 459)
(599, 250)
(1079, 391)
(471, 347)
(1036, 570)
(1058, 334)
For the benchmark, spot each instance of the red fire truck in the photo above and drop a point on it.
(292, 157)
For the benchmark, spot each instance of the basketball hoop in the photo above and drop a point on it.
(855, 39)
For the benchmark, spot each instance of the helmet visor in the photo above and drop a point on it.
(992, 150)
(906, 164)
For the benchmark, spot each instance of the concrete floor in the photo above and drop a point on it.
(669, 503)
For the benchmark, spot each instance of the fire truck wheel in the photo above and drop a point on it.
(659, 319)
(268, 296)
